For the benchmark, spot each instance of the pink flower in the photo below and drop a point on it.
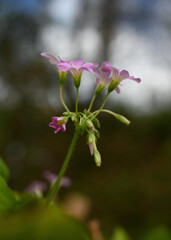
(76, 67)
(58, 123)
(36, 187)
(52, 177)
(53, 60)
(103, 74)
(119, 76)
(103, 79)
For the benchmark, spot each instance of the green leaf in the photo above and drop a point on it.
(120, 234)
(25, 200)
(4, 171)
(7, 198)
(158, 233)
(42, 223)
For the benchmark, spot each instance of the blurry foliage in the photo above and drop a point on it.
(42, 224)
(4, 171)
(120, 234)
(158, 233)
(22, 218)
(7, 198)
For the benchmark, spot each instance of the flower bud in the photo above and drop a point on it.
(97, 158)
(122, 118)
(90, 124)
(91, 140)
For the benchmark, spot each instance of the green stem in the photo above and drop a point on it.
(62, 99)
(105, 110)
(76, 105)
(92, 101)
(116, 115)
(55, 188)
(98, 111)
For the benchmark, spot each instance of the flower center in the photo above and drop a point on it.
(60, 122)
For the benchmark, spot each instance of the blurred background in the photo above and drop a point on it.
(132, 188)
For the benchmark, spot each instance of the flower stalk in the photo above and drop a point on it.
(76, 104)
(91, 103)
(62, 99)
(54, 190)
(98, 111)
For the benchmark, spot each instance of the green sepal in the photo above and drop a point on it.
(96, 122)
(97, 133)
(114, 83)
(91, 137)
(73, 117)
(62, 77)
(100, 87)
(66, 113)
(77, 79)
(90, 124)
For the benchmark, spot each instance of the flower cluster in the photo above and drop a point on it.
(108, 77)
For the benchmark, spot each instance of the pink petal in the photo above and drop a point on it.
(97, 80)
(105, 72)
(124, 75)
(52, 125)
(115, 71)
(57, 130)
(106, 64)
(90, 65)
(78, 63)
(73, 70)
(51, 177)
(63, 127)
(64, 64)
(91, 147)
(63, 69)
(53, 60)
(108, 81)
(117, 89)
(138, 80)
(57, 118)
(96, 72)
(89, 69)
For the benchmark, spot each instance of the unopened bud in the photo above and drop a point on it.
(91, 147)
(97, 158)
(91, 140)
(122, 118)
(90, 124)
